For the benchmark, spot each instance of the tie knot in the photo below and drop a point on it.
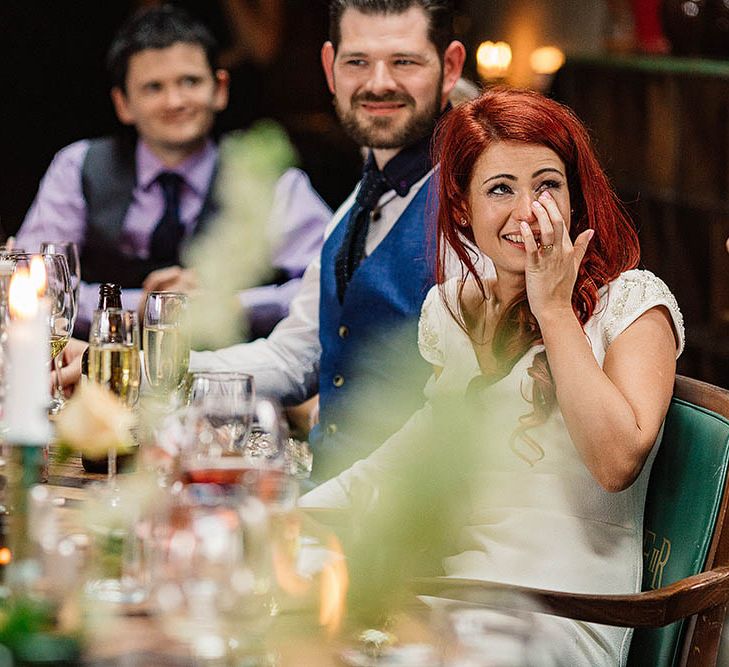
(373, 186)
(170, 182)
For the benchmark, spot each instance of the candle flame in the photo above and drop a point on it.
(333, 577)
(285, 551)
(22, 295)
(38, 274)
(334, 585)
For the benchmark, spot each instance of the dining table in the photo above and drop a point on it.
(136, 638)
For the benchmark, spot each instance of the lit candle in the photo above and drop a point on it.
(28, 374)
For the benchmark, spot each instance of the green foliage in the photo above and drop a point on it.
(27, 631)
(233, 253)
(405, 527)
(406, 509)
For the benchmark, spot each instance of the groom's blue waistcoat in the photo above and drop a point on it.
(371, 374)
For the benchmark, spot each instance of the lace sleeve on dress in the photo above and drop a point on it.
(634, 293)
(430, 330)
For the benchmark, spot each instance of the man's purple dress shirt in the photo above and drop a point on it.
(58, 213)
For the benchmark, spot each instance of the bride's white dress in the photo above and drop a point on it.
(537, 517)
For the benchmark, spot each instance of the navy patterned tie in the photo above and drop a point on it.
(352, 252)
(164, 246)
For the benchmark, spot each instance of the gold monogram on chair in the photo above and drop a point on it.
(656, 553)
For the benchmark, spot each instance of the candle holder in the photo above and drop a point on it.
(25, 466)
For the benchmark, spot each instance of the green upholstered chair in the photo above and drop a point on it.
(680, 613)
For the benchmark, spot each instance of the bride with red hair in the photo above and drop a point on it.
(567, 350)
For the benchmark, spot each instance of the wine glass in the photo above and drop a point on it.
(54, 284)
(114, 359)
(254, 458)
(212, 572)
(224, 404)
(70, 251)
(166, 342)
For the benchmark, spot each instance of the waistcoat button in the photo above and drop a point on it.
(343, 331)
(338, 380)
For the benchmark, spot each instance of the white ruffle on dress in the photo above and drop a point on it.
(537, 517)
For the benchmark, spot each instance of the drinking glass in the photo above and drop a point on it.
(56, 287)
(7, 251)
(254, 459)
(166, 342)
(70, 251)
(117, 530)
(6, 272)
(114, 359)
(224, 404)
(211, 573)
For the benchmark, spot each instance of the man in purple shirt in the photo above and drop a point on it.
(130, 202)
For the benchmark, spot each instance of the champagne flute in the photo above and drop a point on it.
(114, 359)
(166, 342)
(115, 541)
(70, 251)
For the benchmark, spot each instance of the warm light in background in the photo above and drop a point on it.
(546, 60)
(493, 59)
(22, 295)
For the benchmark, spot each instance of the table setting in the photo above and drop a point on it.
(152, 518)
(197, 556)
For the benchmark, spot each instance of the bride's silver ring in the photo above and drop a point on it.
(547, 248)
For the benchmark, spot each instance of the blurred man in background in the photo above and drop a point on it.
(132, 201)
(352, 330)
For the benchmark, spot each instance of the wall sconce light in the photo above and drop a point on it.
(493, 60)
(545, 61)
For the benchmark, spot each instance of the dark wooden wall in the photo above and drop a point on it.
(661, 126)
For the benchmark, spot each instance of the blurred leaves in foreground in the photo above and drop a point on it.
(406, 506)
(233, 252)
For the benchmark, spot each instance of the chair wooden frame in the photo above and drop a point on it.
(703, 597)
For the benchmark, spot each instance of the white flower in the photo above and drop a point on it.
(94, 421)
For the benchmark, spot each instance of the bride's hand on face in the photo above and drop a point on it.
(551, 270)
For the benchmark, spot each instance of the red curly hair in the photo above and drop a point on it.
(502, 114)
